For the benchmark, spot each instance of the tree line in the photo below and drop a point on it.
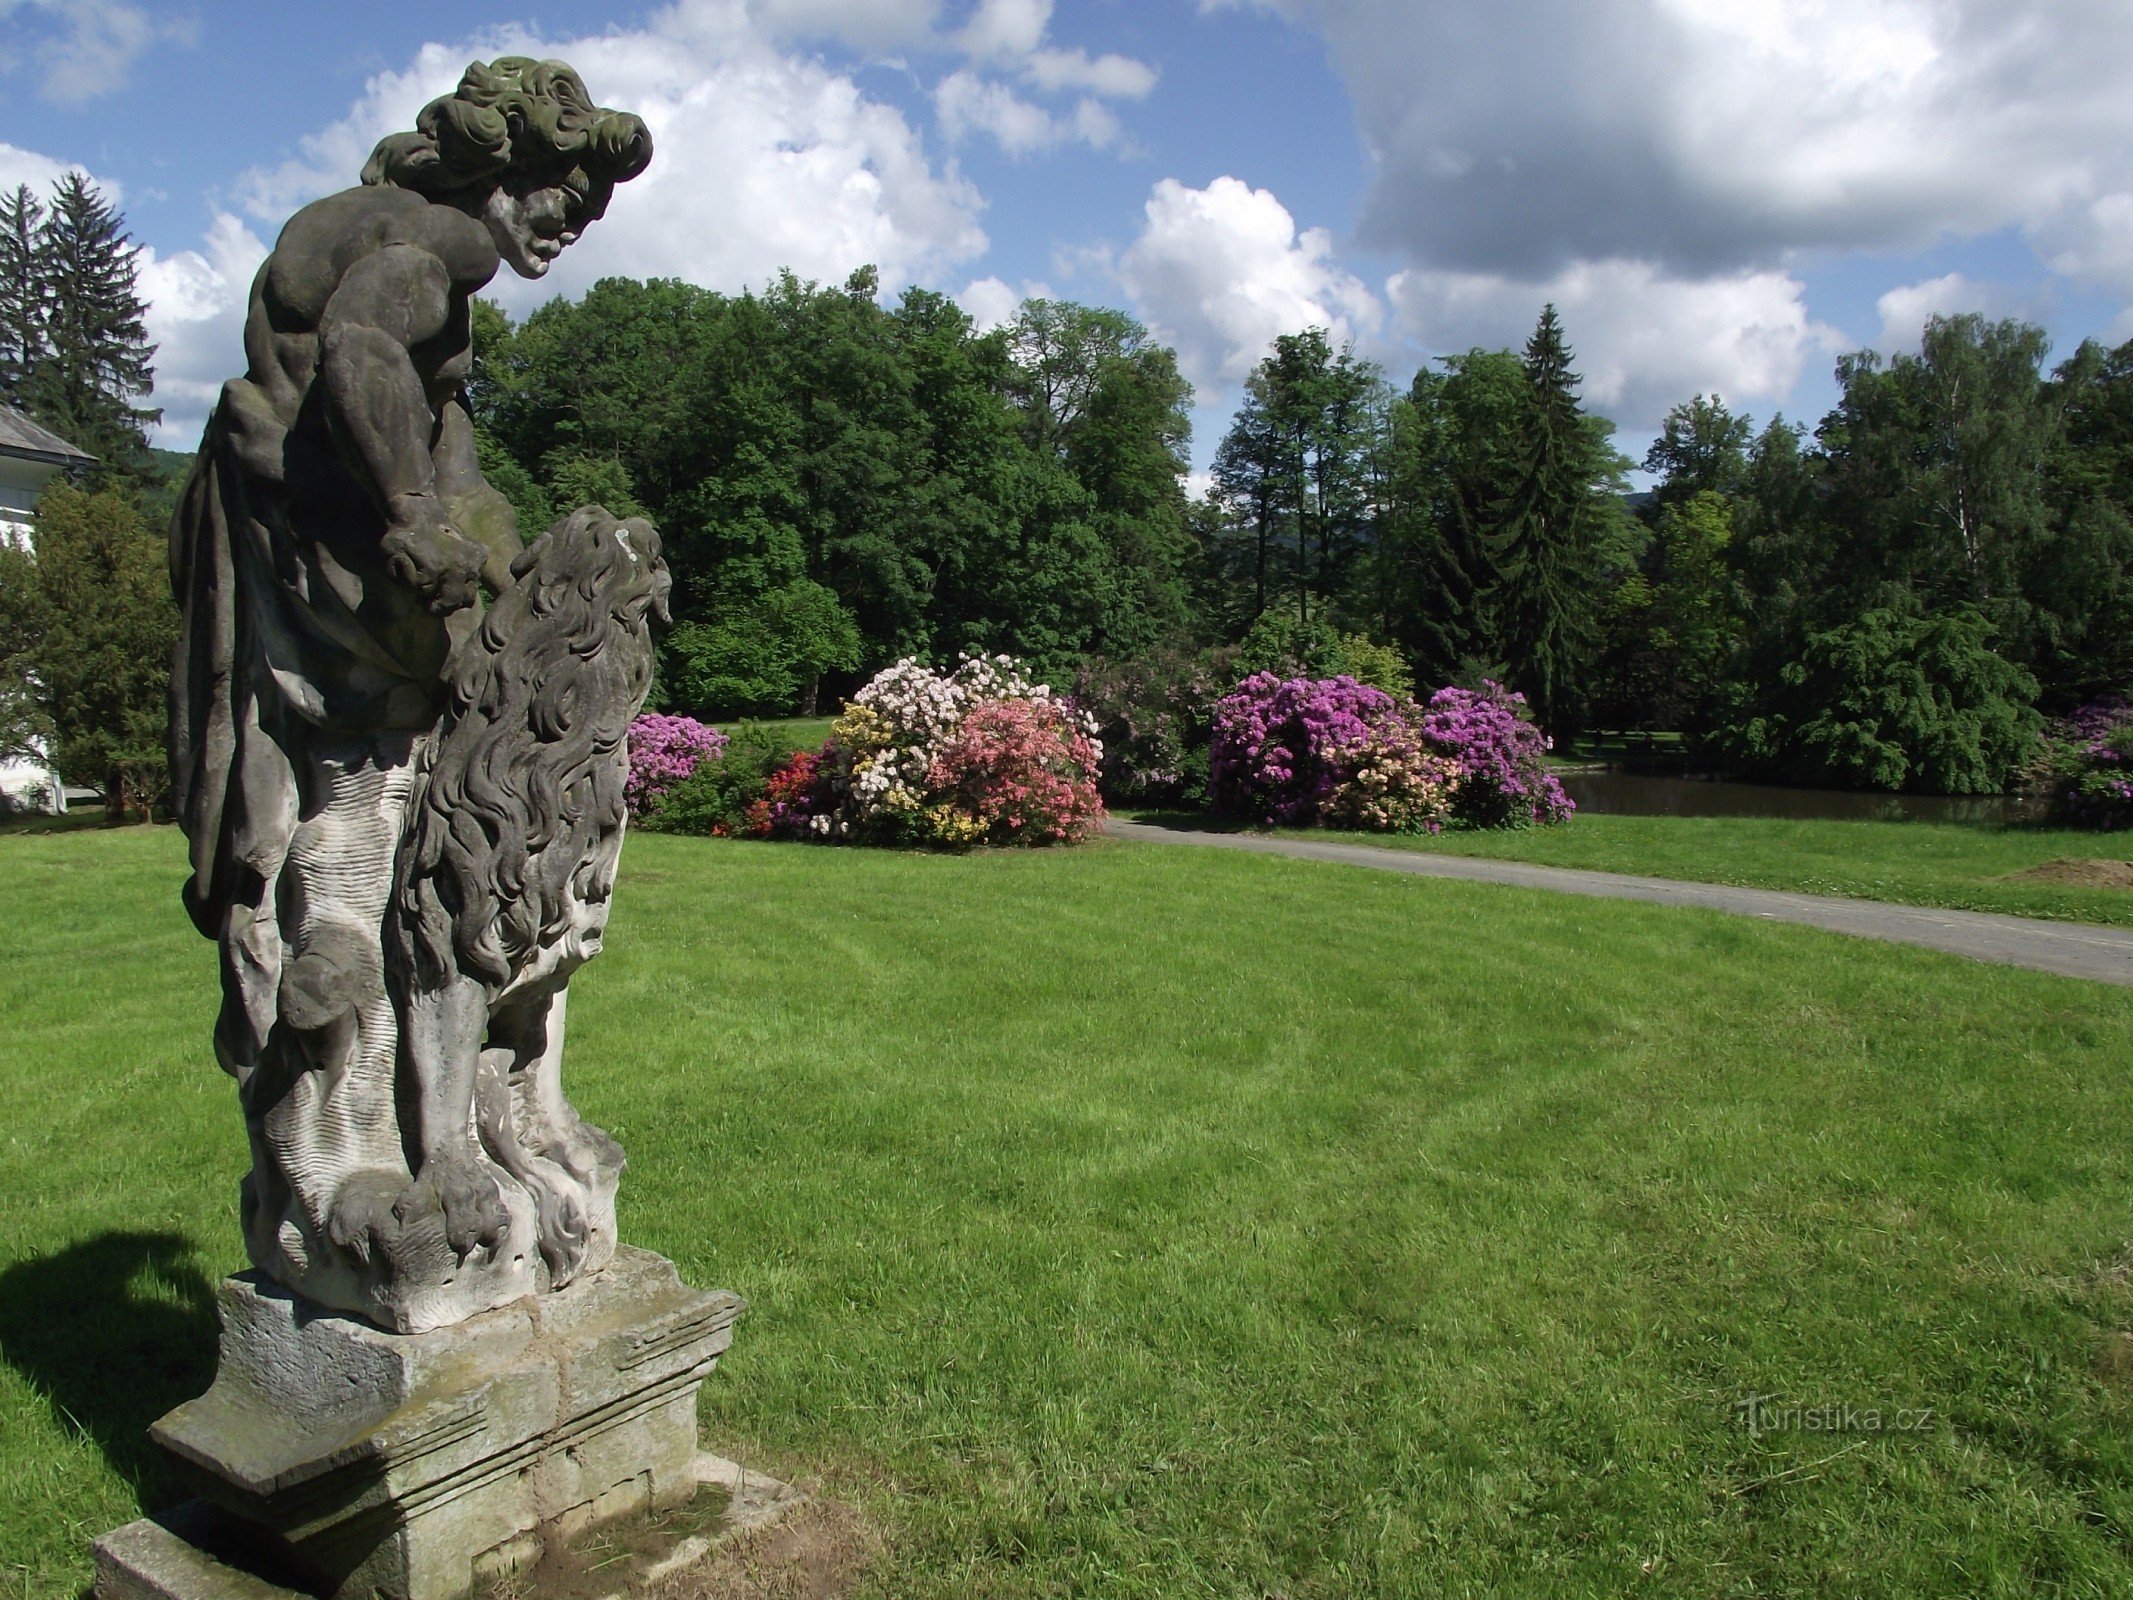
(1891, 600)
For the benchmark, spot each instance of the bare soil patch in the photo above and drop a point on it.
(818, 1551)
(2079, 872)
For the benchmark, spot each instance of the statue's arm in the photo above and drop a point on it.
(387, 303)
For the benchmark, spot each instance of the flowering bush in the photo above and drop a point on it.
(956, 758)
(1023, 771)
(720, 797)
(1504, 781)
(2086, 770)
(792, 797)
(1338, 752)
(664, 752)
(1276, 740)
(1393, 783)
(1154, 716)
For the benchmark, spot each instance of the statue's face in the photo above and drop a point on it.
(532, 225)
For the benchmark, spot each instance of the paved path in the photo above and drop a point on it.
(2071, 949)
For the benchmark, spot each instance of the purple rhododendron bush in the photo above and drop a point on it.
(2086, 769)
(664, 753)
(1504, 781)
(1333, 752)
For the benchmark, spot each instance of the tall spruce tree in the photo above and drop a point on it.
(1547, 540)
(23, 294)
(99, 360)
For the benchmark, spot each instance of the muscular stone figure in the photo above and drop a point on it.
(330, 555)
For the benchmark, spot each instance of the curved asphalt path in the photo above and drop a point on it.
(2071, 949)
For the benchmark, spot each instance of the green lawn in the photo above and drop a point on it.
(1958, 865)
(802, 733)
(1150, 1222)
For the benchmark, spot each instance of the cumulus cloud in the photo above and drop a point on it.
(765, 160)
(1714, 136)
(1005, 30)
(41, 172)
(86, 48)
(968, 104)
(1644, 339)
(1905, 309)
(196, 302)
(992, 303)
(1007, 38)
(1219, 272)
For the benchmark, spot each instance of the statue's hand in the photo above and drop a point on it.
(427, 554)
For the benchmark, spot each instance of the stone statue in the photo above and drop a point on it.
(397, 734)
(398, 751)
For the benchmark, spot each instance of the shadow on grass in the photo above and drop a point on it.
(113, 1332)
(1188, 821)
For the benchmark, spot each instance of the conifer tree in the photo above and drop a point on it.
(1547, 539)
(99, 358)
(22, 294)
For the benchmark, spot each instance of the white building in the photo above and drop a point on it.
(30, 457)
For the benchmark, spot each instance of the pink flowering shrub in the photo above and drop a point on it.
(1504, 779)
(2086, 769)
(1337, 752)
(980, 754)
(664, 751)
(1025, 770)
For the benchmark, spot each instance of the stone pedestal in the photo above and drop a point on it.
(356, 1464)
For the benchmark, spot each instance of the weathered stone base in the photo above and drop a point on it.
(198, 1552)
(341, 1461)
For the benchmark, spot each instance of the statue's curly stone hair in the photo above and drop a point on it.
(514, 112)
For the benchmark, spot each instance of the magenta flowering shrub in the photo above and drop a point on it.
(1325, 750)
(1504, 779)
(1337, 752)
(2086, 771)
(663, 752)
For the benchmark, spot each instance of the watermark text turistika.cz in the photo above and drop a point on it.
(1770, 1413)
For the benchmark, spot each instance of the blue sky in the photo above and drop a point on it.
(1720, 195)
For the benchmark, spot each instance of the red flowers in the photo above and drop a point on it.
(1025, 770)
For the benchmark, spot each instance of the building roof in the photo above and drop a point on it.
(21, 437)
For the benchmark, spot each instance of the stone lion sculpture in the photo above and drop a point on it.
(331, 555)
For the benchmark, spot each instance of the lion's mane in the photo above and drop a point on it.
(516, 817)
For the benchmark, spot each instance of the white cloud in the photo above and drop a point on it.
(1008, 37)
(1715, 136)
(763, 160)
(196, 303)
(1219, 272)
(41, 172)
(967, 104)
(1005, 31)
(1644, 339)
(1904, 309)
(991, 303)
(92, 50)
(1114, 76)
